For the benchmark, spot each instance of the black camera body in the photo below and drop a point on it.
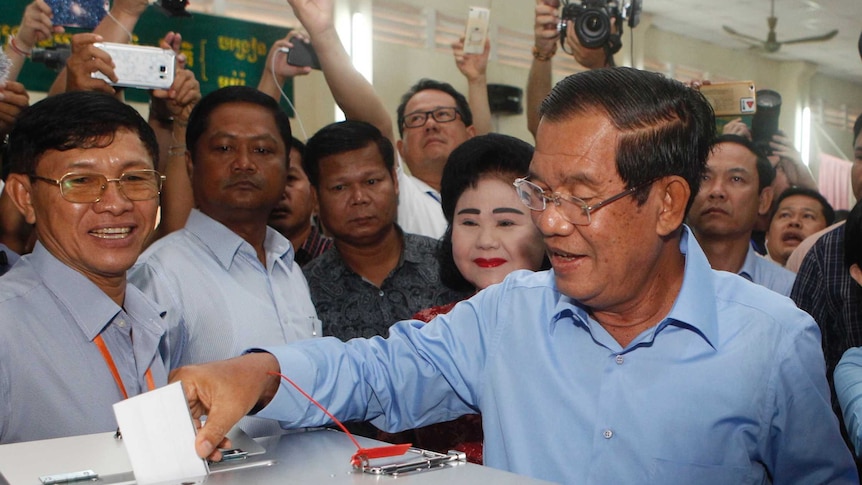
(54, 57)
(593, 20)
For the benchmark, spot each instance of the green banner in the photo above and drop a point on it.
(221, 51)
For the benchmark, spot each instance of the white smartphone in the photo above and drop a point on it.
(139, 66)
(478, 19)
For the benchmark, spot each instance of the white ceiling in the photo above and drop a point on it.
(703, 19)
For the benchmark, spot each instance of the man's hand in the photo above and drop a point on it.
(225, 391)
(738, 128)
(36, 25)
(472, 66)
(545, 28)
(85, 60)
(132, 8)
(315, 15)
(277, 61)
(13, 99)
(185, 92)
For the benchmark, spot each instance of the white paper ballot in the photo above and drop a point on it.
(159, 436)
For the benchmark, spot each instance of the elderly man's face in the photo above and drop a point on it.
(603, 264)
(100, 240)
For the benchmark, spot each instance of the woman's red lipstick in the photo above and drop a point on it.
(489, 263)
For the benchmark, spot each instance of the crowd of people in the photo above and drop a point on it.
(616, 287)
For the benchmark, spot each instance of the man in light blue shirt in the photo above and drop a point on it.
(75, 336)
(227, 275)
(630, 362)
(735, 191)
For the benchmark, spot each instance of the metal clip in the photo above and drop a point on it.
(422, 460)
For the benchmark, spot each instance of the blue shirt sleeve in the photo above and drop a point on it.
(848, 386)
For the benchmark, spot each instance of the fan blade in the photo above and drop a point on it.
(742, 36)
(816, 38)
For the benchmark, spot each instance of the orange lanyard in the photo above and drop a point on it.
(151, 384)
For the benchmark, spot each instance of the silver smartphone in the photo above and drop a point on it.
(138, 66)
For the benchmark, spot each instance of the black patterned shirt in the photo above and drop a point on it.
(350, 306)
(826, 291)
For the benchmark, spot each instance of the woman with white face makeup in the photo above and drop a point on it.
(490, 234)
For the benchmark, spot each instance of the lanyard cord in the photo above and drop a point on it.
(116, 373)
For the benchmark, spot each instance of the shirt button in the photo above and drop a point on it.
(620, 359)
(381, 293)
(121, 323)
(608, 434)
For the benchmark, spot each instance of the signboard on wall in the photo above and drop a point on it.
(221, 51)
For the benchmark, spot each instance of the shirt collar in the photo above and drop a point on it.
(86, 303)
(749, 267)
(694, 308)
(226, 244)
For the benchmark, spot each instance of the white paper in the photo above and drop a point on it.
(160, 437)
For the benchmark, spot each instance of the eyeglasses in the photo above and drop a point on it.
(440, 115)
(575, 210)
(85, 188)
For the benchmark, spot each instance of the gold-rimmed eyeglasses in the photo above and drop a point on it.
(85, 188)
(573, 209)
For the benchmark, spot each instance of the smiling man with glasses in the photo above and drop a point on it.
(75, 336)
(631, 361)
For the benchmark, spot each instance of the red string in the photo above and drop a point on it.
(362, 454)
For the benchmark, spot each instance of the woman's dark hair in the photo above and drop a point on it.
(493, 155)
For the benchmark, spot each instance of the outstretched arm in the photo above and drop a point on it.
(277, 70)
(474, 67)
(35, 27)
(352, 92)
(544, 48)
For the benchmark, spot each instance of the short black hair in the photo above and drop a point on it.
(341, 137)
(491, 154)
(199, 119)
(853, 236)
(666, 128)
(425, 84)
(297, 145)
(828, 211)
(765, 170)
(79, 119)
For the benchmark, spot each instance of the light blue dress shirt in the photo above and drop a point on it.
(53, 379)
(211, 279)
(728, 389)
(848, 386)
(767, 273)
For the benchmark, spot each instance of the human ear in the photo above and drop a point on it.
(765, 201)
(674, 193)
(19, 189)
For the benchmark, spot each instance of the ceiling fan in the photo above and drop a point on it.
(771, 44)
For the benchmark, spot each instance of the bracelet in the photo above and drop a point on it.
(16, 49)
(176, 150)
(543, 57)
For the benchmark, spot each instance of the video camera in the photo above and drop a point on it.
(593, 18)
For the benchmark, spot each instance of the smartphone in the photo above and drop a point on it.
(735, 98)
(139, 66)
(302, 55)
(85, 14)
(476, 32)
